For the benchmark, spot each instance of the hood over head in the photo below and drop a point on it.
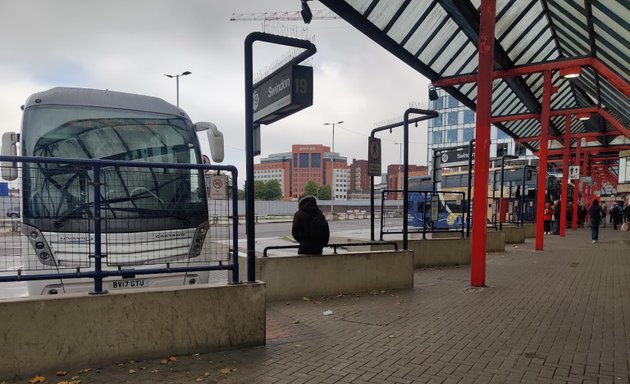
(308, 203)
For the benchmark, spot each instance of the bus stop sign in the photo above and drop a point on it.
(282, 93)
(374, 156)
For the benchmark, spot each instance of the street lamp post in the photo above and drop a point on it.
(501, 193)
(332, 168)
(186, 73)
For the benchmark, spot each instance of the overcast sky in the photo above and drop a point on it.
(128, 46)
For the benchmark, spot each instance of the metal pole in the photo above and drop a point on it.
(576, 184)
(235, 271)
(332, 167)
(332, 175)
(494, 199)
(372, 208)
(471, 144)
(501, 193)
(482, 147)
(564, 203)
(521, 203)
(177, 88)
(98, 278)
(545, 115)
(429, 114)
(309, 50)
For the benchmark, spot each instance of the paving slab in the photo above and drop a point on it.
(561, 315)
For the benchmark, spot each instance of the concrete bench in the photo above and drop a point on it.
(297, 276)
(513, 234)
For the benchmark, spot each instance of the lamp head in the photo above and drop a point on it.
(433, 95)
(570, 72)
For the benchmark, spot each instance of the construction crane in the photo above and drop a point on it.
(283, 16)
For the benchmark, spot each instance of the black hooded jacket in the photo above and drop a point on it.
(310, 227)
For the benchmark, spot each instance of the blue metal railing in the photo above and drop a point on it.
(98, 273)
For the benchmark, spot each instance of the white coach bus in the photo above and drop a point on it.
(150, 216)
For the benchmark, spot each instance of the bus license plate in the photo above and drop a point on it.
(131, 283)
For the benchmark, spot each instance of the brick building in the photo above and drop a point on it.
(305, 162)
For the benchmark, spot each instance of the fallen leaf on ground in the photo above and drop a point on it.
(228, 370)
(131, 371)
(172, 358)
(37, 379)
(306, 298)
(85, 370)
(61, 373)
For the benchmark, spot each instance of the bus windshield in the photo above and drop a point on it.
(59, 197)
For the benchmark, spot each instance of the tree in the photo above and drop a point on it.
(311, 188)
(324, 192)
(320, 192)
(267, 190)
(274, 191)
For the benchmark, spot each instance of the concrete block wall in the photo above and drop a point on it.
(296, 276)
(513, 234)
(82, 330)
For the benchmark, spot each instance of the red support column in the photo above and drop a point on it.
(482, 142)
(565, 175)
(545, 114)
(575, 186)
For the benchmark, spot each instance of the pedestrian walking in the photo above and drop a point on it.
(595, 215)
(569, 214)
(616, 215)
(548, 215)
(604, 212)
(310, 227)
(626, 215)
(557, 212)
(581, 215)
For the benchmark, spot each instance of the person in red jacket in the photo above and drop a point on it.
(548, 215)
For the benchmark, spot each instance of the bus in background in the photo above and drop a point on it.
(149, 215)
(431, 209)
(519, 190)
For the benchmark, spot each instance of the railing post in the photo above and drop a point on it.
(235, 271)
(98, 277)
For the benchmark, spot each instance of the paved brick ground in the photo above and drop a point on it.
(558, 316)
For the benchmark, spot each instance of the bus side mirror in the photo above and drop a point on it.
(9, 148)
(215, 139)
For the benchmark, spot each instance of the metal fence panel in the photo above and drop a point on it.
(148, 216)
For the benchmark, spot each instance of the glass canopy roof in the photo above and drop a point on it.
(439, 38)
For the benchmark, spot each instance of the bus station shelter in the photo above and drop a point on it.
(552, 74)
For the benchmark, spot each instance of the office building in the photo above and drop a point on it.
(305, 162)
(455, 126)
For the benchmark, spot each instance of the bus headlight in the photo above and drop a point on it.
(198, 238)
(39, 244)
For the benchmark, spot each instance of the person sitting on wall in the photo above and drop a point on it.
(310, 227)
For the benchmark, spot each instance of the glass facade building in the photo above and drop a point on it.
(455, 126)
